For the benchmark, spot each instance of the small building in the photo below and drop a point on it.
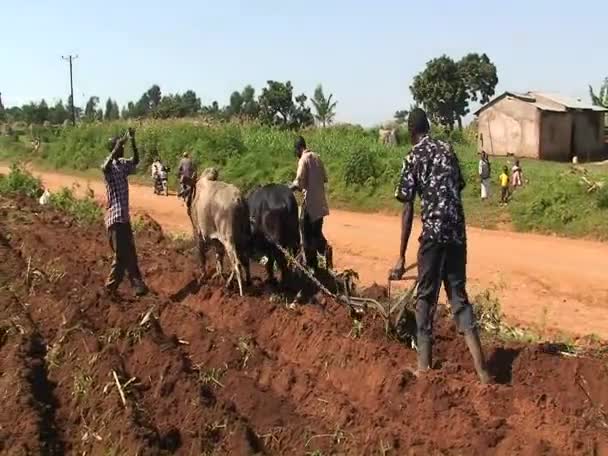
(541, 125)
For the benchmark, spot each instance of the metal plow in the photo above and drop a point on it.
(391, 312)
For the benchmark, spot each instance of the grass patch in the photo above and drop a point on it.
(84, 210)
(20, 182)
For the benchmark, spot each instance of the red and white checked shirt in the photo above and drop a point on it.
(117, 190)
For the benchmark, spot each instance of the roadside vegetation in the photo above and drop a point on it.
(363, 172)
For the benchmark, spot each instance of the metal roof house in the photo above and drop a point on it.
(541, 125)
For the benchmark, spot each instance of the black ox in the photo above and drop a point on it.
(273, 213)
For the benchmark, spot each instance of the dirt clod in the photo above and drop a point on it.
(209, 372)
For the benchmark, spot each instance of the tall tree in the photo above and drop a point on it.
(191, 104)
(250, 106)
(115, 110)
(236, 104)
(601, 99)
(154, 96)
(58, 113)
(301, 115)
(441, 90)
(109, 109)
(401, 116)
(276, 103)
(325, 108)
(445, 87)
(277, 106)
(112, 112)
(90, 109)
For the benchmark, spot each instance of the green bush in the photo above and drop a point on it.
(20, 181)
(602, 197)
(362, 167)
(84, 210)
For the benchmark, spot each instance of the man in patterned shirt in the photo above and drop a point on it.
(116, 170)
(432, 171)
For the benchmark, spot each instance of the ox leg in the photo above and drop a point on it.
(202, 259)
(236, 269)
(219, 260)
(270, 268)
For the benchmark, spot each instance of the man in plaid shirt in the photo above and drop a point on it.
(116, 170)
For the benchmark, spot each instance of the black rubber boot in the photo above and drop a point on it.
(474, 345)
(140, 288)
(425, 349)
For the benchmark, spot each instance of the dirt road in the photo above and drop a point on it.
(549, 282)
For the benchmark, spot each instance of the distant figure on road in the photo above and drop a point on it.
(116, 170)
(431, 171)
(485, 172)
(311, 179)
(517, 176)
(504, 185)
(185, 172)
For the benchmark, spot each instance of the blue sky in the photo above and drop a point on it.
(365, 53)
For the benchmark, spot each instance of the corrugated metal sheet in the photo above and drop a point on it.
(568, 102)
(556, 102)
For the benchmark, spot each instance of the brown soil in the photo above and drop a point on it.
(213, 373)
(551, 283)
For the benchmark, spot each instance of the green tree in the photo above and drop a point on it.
(325, 108)
(445, 87)
(154, 96)
(276, 103)
(90, 109)
(441, 90)
(601, 99)
(191, 104)
(112, 112)
(236, 104)
(58, 113)
(401, 116)
(250, 106)
(277, 106)
(115, 110)
(301, 116)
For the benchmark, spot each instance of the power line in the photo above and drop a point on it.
(69, 58)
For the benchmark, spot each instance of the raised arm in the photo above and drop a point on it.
(134, 146)
(114, 154)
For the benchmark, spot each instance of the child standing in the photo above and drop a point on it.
(504, 185)
(516, 175)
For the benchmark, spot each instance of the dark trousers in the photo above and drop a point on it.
(437, 263)
(313, 240)
(125, 256)
(504, 194)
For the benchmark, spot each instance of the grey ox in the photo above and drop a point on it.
(220, 218)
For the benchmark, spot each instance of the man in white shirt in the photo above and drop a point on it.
(310, 180)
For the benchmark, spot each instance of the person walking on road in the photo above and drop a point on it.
(116, 170)
(432, 171)
(185, 172)
(310, 180)
(485, 172)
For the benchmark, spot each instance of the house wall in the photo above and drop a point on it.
(510, 126)
(555, 135)
(588, 134)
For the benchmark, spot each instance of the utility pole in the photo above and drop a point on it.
(69, 58)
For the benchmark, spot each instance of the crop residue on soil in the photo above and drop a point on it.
(208, 372)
